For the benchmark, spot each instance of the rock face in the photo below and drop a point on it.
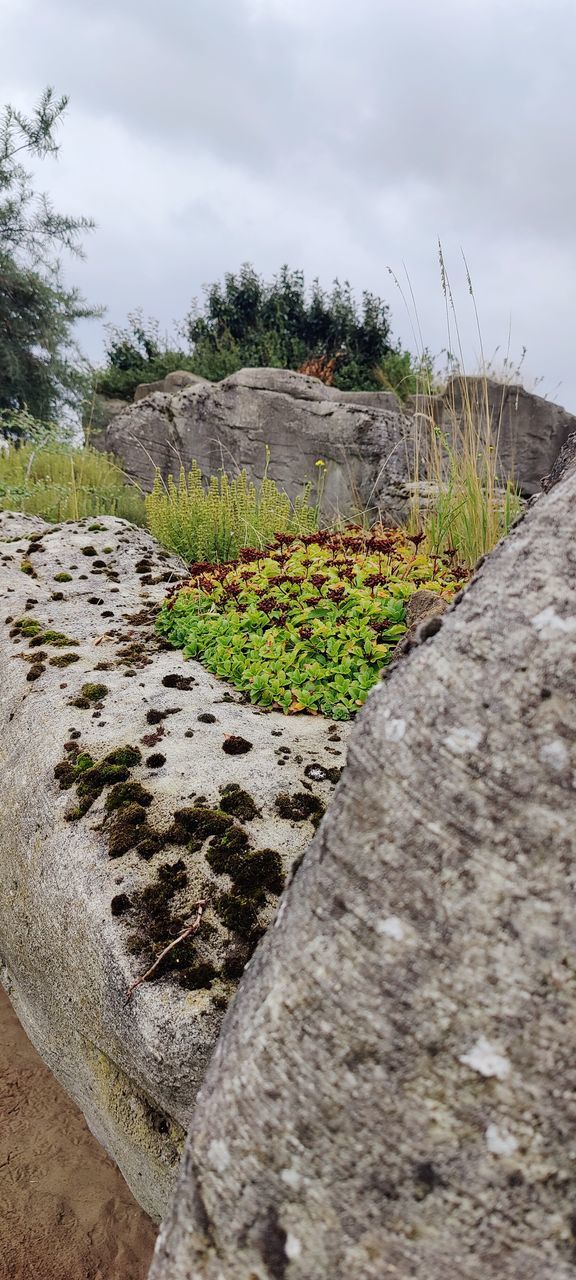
(527, 430)
(172, 383)
(134, 785)
(277, 420)
(393, 1091)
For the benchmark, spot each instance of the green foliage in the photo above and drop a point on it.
(50, 477)
(309, 624)
(40, 367)
(247, 322)
(212, 523)
(137, 354)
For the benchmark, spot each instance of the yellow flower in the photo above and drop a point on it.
(320, 463)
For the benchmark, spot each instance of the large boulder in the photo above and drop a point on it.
(527, 430)
(103, 862)
(171, 383)
(277, 421)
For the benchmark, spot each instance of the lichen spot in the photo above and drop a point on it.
(293, 1247)
(392, 927)
(500, 1142)
(218, 1155)
(394, 729)
(555, 754)
(548, 622)
(485, 1058)
(463, 739)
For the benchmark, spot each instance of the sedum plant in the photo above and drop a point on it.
(213, 522)
(307, 625)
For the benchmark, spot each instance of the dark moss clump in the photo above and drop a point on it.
(90, 695)
(234, 745)
(239, 803)
(319, 773)
(158, 926)
(64, 659)
(156, 760)
(120, 904)
(125, 793)
(177, 681)
(150, 845)
(156, 717)
(90, 778)
(200, 823)
(226, 850)
(206, 717)
(36, 670)
(89, 551)
(237, 913)
(261, 868)
(300, 807)
(62, 577)
(125, 829)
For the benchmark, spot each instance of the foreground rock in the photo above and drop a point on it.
(393, 1091)
(277, 421)
(161, 776)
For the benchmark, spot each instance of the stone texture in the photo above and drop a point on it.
(528, 429)
(278, 419)
(172, 383)
(134, 1068)
(392, 1095)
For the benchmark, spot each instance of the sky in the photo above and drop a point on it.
(343, 137)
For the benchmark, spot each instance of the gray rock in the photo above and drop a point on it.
(275, 420)
(392, 1095)
(171, 383)
(134, 1068)
(527, 430)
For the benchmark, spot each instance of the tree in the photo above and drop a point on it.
(137, 354)
(40, 366)
(247, 322)
(392, 1093)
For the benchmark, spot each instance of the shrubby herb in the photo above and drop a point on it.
(215, 521)
(308, 624)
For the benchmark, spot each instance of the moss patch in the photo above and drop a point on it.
(300, 807)
(239, 803)
(63, 577)
(90, 695)
(64, 659)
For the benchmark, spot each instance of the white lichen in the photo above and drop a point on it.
(394, 729)
(548, 621)
(293, 1247)
(462, 740)
(485, 1058)
(392, 927)
(218, 1155)
(555, 754)
(500, 1142)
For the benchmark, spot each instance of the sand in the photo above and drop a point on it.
(65, 1212)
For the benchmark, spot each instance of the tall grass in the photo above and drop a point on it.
(459, 500)
(214, 522)
(60, 482)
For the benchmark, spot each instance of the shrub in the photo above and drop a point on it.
(213, 523)
(60, 482)
(308, 624)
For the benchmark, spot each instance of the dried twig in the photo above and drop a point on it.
(186, 933)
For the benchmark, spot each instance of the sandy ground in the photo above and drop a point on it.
(65, 1212)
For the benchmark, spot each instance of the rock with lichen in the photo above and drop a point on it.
(135, 786)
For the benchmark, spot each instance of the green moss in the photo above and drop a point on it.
(63, 577)
(28, 568)
(128, 756)
(26, 627)
(101, 775)
(56, 638)
(96, 528)
(90, 694)
(239, 803)
(127, 793)
(126, 829)
(64, 659)
(300, 807)
(199, 822)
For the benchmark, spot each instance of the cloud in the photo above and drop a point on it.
(340, 138)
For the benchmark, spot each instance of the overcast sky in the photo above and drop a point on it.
(340, 136)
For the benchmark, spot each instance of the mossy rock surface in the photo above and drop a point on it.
(121, 816)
